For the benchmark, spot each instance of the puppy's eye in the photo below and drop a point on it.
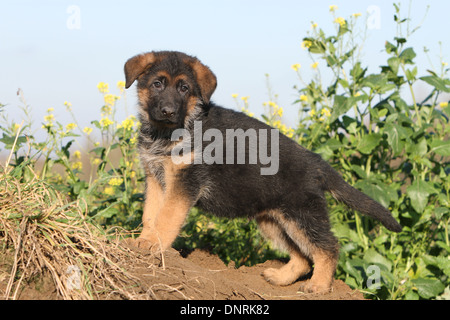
(184, 88)
(157, 84)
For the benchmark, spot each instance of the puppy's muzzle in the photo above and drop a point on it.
(168, 112)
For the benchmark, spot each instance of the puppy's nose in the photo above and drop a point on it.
(168, 112)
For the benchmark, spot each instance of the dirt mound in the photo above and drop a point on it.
(198, 276)
(201, 275)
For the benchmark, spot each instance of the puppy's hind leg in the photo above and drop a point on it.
(298, 264)
(314, 243)
(321, 246)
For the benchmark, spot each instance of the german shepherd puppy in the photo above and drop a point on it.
(287, 200)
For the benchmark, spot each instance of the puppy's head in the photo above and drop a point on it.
(172, 86)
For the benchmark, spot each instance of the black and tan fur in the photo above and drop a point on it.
(174, 90)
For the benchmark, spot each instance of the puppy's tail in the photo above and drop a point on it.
(357, 200)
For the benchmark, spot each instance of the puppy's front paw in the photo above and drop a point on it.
(310, 286)
(277, 277)
(141, 243)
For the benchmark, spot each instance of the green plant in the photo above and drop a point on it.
(236, 240)
(104, 176)
(396, 152)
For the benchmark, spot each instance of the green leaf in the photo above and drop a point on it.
(351, 267)
(417, 149)
(394, 64)
(80, 185)
(407, 55)
(428, 288)
(341, 105)
(411, 74)
(442, 263)
(317, 46)
(436, 82)
(418, 192)
(326, 150)
(343, 29)
(390, 47)
(357, 72)
(359, 171)
(378, 83)
(444, 246)
(9, 141)
(368, 143)
(374, 81)
(395, 135)
(97, 124)
(331, 60)
(108, 212)
(372, 256)
(440, 147)
(99, 151)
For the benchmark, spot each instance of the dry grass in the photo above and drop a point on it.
(48, 234)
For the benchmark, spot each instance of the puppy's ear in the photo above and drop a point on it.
(135, 66)
(205, 79)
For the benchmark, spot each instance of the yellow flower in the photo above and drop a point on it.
(77, 154)
(87, 130)
(50, 110)
(120, 84)
(67, 104)
(444, 64)
(133, 140)
(325, 112)
(340, 20)
(16, 127)
(96, 161)
(128, 123)
(314, 65)
(110, 99)
(106, 110)
(115, 181)
(314, 25)
(272, 105)
(245, 99)
(234, 95)
(303, 98)
(443, 104)
(312, 113)
(102, 87)
(333, 7)
(71, 126)
(279, 112)
(306, 44)
(356, 15)
(109, 191)
(105, 122)
(296, 66)
(77, 165)
(49, 118)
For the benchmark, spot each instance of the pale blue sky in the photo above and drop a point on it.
(240, 41)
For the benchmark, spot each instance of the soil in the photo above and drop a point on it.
(195, 276)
